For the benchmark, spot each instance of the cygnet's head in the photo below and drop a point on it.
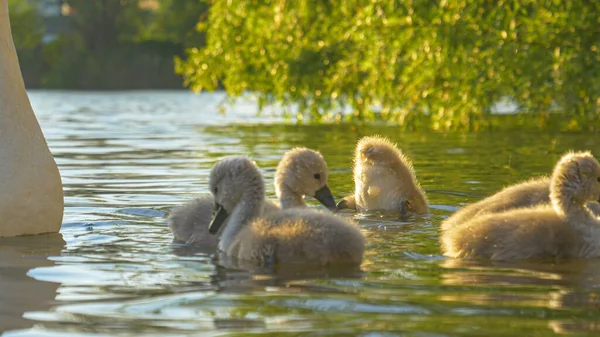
(231, 178)
(304, 172)
(376, 150)
(578, 175)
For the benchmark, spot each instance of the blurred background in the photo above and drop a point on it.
(442, 65)
(103, 44)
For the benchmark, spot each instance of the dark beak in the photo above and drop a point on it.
(324, 196)
(343, 204)
(219, 217)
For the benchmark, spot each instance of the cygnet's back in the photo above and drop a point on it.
(384, 179)
(286, 236)
(300, 172)
(566, 228)
(522, 233)
(189, 223)
(526, 194)
(300, 236)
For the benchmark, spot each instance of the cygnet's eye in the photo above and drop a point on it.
(599, 179)
(216, 190)
(317, 176)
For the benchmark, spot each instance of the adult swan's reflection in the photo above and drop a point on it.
(19, 292)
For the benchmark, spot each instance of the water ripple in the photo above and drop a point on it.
(127, 157)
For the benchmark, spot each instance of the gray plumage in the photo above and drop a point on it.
(294, 178)
(286, 236)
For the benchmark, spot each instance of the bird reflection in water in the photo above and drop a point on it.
(576, 282)
(21, 293)
(246, 277)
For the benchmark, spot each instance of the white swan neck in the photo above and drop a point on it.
(12, 87)
(17, 120)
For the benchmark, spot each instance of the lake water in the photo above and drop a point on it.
(127, 158)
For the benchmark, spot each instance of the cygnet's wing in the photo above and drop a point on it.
(189, 222)
(524, 194)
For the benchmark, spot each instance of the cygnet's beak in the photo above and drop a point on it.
(219, 217)
(343, 204)
(325, 197)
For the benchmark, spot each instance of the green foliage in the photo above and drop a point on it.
(123, 66)
(27, 29)
(175, 21)
(98, 51)
(104, 23)
(103, 50)
(108, 44)
(26, 24)
(445, 61)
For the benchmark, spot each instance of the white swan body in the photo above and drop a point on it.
(31, 195)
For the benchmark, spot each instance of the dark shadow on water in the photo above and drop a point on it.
(288, 278)
(187, 250)
(580, 273)
(20, 293)
(232, 275)
(245, 276)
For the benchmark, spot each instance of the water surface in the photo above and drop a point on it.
(127, 158)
